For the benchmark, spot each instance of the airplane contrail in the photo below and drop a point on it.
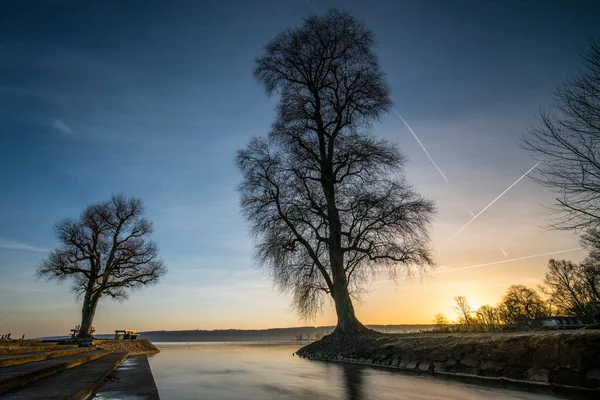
(486, 207)
(433, 162)
(503, 252)
(489, 264)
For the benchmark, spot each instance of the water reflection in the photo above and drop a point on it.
(219, 371)
(353, 381)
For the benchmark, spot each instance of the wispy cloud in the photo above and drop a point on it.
(14, 245)
(62, 127)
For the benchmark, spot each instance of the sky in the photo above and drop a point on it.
(152, 99)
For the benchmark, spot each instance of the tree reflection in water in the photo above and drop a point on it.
(354, 382)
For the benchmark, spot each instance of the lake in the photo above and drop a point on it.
(220, 371)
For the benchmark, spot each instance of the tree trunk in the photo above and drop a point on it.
(347, 323)
(87, 316)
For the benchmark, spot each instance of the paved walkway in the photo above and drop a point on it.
(131, 380)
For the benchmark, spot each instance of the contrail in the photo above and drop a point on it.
(486, 207)
(433, 162)
(489, 264)
(503, 252)
(506, 261)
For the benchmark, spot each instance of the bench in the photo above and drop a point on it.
(128, 334)
(75, 331)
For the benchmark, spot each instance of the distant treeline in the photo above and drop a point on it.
(569, 290)
(261, 335)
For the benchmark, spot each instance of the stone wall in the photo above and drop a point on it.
(137, 346)
(550, 359)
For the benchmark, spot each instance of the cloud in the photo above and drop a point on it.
(14, 245)
(62, 127)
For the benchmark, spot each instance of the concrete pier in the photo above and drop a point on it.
(131, 380)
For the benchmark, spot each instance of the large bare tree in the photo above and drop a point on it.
(567, 142)
(106, 252)
(324, 197)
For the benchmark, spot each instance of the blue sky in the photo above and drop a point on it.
(152, 99)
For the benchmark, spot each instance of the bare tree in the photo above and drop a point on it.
(323, 196)
(574, 288)
(522, 306)
(590, 276)
(106, 252)
(488, 316)
(441, 322)
(463, 310)
(567, 142)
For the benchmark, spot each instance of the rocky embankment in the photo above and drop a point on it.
(133, 347)
(564, 360)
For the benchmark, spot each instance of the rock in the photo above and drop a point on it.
(424, 365)
(515, 371)
(593, 374)
(537, 375)
(568, 378)
(574, 359)
(451, 362)
(412, 364)
(545, 357)
(466, 370)
(592, 379)
(490, 366)
(439, 366)
(470, 361)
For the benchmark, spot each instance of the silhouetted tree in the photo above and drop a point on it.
(522, 306)
(590, 271)
(324, 197)
(567, 142)
(574, 288)
(440, 322)
(488, 316)
(106, 252)
(463, 310)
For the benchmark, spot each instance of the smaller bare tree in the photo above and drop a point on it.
(441, 322)
(574, 288)
(463, 310)
(522, 306)
(488, 317)
(590, 276)
(106, 252)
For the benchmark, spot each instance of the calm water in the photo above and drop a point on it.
(219, 371)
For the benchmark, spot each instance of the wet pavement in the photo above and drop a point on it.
(132, 380)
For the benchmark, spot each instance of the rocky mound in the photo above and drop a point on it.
(553, 359)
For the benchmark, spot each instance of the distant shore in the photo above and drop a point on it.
(563, 361)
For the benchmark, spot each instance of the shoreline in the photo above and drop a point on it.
(557, 362)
